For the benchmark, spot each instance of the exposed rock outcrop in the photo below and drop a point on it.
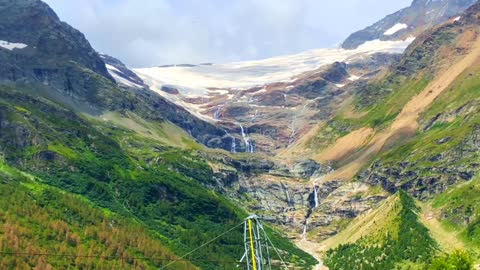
(410, 21)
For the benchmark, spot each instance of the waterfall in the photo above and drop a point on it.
(217, 114)
(245, 138)
(287, 192)
(315, 193)
(293, 131)
(304, 234)
(249, 147)
(234, 145)
(233, 148)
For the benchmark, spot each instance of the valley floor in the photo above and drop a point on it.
(312, 249)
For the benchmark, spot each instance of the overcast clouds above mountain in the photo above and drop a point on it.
(155, 32)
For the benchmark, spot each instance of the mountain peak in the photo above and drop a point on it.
(410, 21)
(47, 40)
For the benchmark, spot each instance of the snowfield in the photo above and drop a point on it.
(10, 46)
(204, 80)
(198, 80)
(113, 72)
(397, 27)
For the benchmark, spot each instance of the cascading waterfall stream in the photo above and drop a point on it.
(316, 204)
(293, 131)
(218, 113)
(249, 147)
(234, 145)
(315, 194)
(304, 234)
(293, 124)
(288, 197)
(233, 148)
(244, 136)
(287, 192)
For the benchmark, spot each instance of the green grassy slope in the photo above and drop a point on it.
(459, 212)
(444, 151)
(377, 103)
(143, 180)
(401, 239)
(36, 218)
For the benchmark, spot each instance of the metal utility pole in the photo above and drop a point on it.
(257, 250)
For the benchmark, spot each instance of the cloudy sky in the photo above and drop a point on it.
(156, 32)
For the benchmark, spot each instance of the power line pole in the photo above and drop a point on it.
(257, 250)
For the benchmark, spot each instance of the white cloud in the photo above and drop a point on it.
(154, 32)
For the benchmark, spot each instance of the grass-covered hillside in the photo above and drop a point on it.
(458, 210)
(415, 131)
(385, 239)
(444, 150)
(38, 219)
(102, 184)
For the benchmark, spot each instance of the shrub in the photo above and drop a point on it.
(458, 260)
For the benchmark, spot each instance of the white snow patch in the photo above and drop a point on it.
(218, 91)
(123, 81)
(353, 78)
(10, 45)
(194, 109)
(457, 19)
(339, 85)
(263, 90)
(197, 80)
(120, 80)
(397, 27)
(110, 67)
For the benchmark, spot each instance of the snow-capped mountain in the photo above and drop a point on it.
(226, 80)
(267, 104)
(121, 73)
(410, 21)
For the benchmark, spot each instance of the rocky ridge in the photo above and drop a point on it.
(410, 21)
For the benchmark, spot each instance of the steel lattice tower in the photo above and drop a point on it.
(257, 250)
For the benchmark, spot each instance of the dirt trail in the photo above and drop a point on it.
(447, 240)
(312, 249)
(406, 122)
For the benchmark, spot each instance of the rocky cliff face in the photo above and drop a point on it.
(446, 150)
(285, 194)
(121, 73)
(411, 21)
(52, 59)
(53, 52)
(436, 171)
(267, 105)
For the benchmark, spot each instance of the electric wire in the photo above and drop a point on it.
(204, 244)
(106, 257)
(171, 261)
(276, 251)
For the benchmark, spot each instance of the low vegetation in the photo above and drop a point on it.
(406, 240)
(158, 188)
